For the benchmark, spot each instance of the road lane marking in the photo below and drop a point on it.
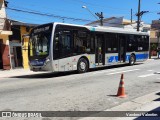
(107, 71)
(147, 75)
(123, 71)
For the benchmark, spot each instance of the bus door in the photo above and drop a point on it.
(62, 51)
(99, 49)
(122, 48)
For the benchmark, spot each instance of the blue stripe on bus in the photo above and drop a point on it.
(141, 56)
(127, 57)
(113, 59)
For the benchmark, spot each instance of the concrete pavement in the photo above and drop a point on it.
(146, 103)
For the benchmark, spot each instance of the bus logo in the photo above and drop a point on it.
(6, 114)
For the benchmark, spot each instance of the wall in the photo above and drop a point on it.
(153, 36)
(5, 50)
(24, 47)
(4, 33)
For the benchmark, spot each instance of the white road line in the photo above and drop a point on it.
(122, 71)
(150, 70)
(107, 71)
(147, 75)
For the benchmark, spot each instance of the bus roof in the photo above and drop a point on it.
(106, 29)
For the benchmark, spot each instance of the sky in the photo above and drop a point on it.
(71, 11)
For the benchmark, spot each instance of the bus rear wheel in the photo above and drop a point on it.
(132, 60)
(82, 66)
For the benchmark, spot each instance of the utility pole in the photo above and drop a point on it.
(100, 15)
(63, 20)
(131, 15)
(138, 14)
(6, 3)
(158, 39)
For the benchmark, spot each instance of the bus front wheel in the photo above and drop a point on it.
(132, 60)
(82, 66)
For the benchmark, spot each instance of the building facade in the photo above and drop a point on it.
(155, 37)
(19, 44)
(5, 32)
(122, 23)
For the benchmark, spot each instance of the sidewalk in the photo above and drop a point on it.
(146, 103)
(154, 57)
(17, 72)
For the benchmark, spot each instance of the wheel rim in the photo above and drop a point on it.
(83, 66)
(132, 60)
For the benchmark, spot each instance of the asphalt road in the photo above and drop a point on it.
(92, 91)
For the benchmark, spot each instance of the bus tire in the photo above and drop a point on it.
(132, 60)
(82, 65)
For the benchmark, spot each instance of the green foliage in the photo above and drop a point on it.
(153, 47)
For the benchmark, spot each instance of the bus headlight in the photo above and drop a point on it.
(46, 61)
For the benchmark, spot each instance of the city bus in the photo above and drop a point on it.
(59, 47)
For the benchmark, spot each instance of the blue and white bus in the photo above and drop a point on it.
(59, 47)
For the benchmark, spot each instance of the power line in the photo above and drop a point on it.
(96, 5)
(49, 15)
(48, 8)
(80, 1)
(26, 18)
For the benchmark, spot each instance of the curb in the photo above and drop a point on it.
(145, 103)
(17, 72)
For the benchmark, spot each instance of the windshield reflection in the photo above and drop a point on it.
(39, 43)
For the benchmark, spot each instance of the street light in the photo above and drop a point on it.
(85, 7)
(100, 15)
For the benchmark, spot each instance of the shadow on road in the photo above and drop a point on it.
(154, 112)
(156, 82)
(59, 74)
(45, 75)
(112, 95)
(158, 98)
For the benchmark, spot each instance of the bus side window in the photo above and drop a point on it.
(81, 42)
(56, 47)
(65, 44)
(111, 43)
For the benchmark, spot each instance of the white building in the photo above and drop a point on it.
(122, 23)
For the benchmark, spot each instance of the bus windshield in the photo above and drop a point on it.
(39, 43)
